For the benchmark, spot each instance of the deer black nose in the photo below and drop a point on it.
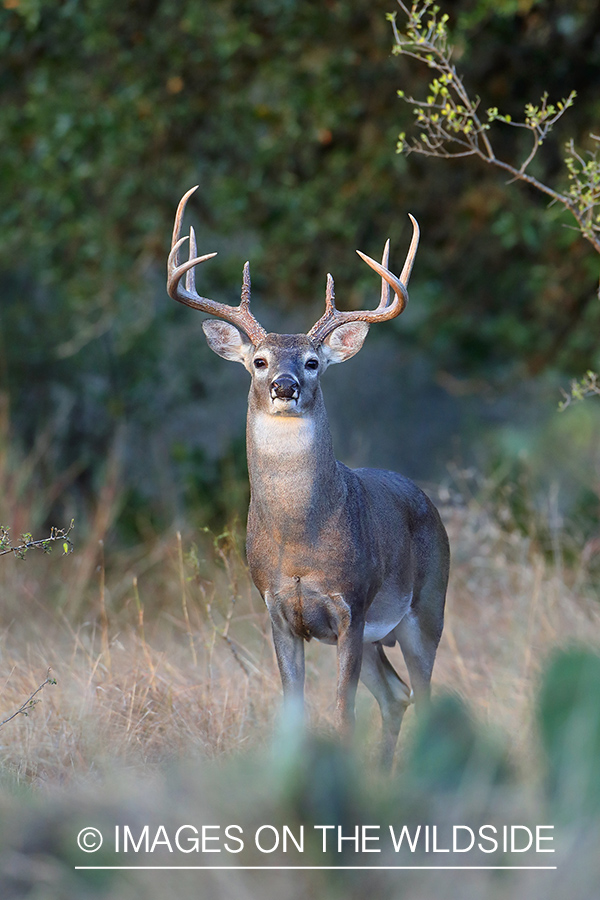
(285, 387)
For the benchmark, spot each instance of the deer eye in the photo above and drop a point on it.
(311, 364)
(260, 362)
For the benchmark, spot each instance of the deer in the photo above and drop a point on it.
(358, 558)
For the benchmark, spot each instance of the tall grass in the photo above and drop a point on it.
(169, 645)
(164, 663)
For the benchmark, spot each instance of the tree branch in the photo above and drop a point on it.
(27, 543)
(449, 118)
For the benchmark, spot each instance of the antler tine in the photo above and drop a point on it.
(330, 294)
(237, 315)
(245, 302)
(317, 332)
(190, 275)
(385, 288)
(412, 252)
(332, 317)
(176, 242)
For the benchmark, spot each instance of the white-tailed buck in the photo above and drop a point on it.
(357, 558)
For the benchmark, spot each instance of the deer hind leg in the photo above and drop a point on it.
(419, 634)
(392, 695)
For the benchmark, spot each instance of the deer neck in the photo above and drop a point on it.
(295, 481)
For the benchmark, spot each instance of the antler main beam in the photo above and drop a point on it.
(333, 317)
(237, 315)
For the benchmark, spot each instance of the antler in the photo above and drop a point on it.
(237, 315)
(332, 317)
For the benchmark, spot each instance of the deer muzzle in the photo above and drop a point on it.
(285, 387)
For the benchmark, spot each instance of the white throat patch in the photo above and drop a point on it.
(283, 435)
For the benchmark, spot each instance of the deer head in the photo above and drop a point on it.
(285, 369)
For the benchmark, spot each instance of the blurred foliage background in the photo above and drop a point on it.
(286, 114)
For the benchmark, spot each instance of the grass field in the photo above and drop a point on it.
(167, 696)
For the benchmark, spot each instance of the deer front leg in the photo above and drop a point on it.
(289, 650)
(349, 660)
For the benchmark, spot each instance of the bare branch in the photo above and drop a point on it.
(31, 701)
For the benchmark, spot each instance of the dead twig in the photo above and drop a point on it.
(31, 701)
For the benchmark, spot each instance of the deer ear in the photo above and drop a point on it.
(344, 341)
(227, 341)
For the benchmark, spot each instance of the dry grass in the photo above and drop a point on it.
(508, 608)
(131, 689)
(167, 652)
(165, 669)
(166, 649)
